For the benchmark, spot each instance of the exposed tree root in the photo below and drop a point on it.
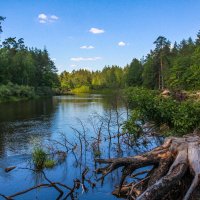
(170, 165)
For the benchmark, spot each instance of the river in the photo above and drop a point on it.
(25, 124)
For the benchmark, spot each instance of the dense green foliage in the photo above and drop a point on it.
(21, 66)
(82, 89)
(166, 66)
(109, 77)
(24, 66)
(14, 92)
(179, 117)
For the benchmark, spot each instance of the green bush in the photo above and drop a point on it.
(148, 106)
(82, 89)
(14, 91)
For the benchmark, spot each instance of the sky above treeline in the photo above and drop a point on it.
(93, 33)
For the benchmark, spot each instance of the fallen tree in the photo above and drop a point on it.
(173, 172)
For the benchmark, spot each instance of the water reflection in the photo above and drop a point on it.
(23, 123)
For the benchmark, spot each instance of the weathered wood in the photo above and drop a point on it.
(8, 169)
(170, 163)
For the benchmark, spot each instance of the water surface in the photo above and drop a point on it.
(25, 124)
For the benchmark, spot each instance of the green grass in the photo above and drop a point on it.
(39, 157)
(49, 163)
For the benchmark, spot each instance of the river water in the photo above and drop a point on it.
(26, 124)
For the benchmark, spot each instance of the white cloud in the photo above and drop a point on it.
(42, 21)
(87, 47)
(53, 59)
(54, 17)
(78, 59)
(122, 44)
(96, 30)
(43, 18)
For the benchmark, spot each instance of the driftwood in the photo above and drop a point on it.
(8, 169)
(171, 167)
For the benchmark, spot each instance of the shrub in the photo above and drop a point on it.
(82, 89)
(14, 91)
(147, 106)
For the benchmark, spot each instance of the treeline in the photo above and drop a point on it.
(26, 66)
(20, 65)
(109, 77)
(174, 66)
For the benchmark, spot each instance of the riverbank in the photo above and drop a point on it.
(87, 90)
(13, 92)
(175, 113)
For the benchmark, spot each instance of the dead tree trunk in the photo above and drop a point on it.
(170, 167)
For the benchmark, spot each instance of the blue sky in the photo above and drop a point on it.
(93, 33)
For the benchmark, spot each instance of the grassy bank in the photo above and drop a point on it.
(87, 90)
(82, 89)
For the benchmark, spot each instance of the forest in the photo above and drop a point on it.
(24, 72)
(24, 69)
(173, 66)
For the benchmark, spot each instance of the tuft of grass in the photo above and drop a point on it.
(39, 157)
(49, 163)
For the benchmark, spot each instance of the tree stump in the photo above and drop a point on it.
(174, 168)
